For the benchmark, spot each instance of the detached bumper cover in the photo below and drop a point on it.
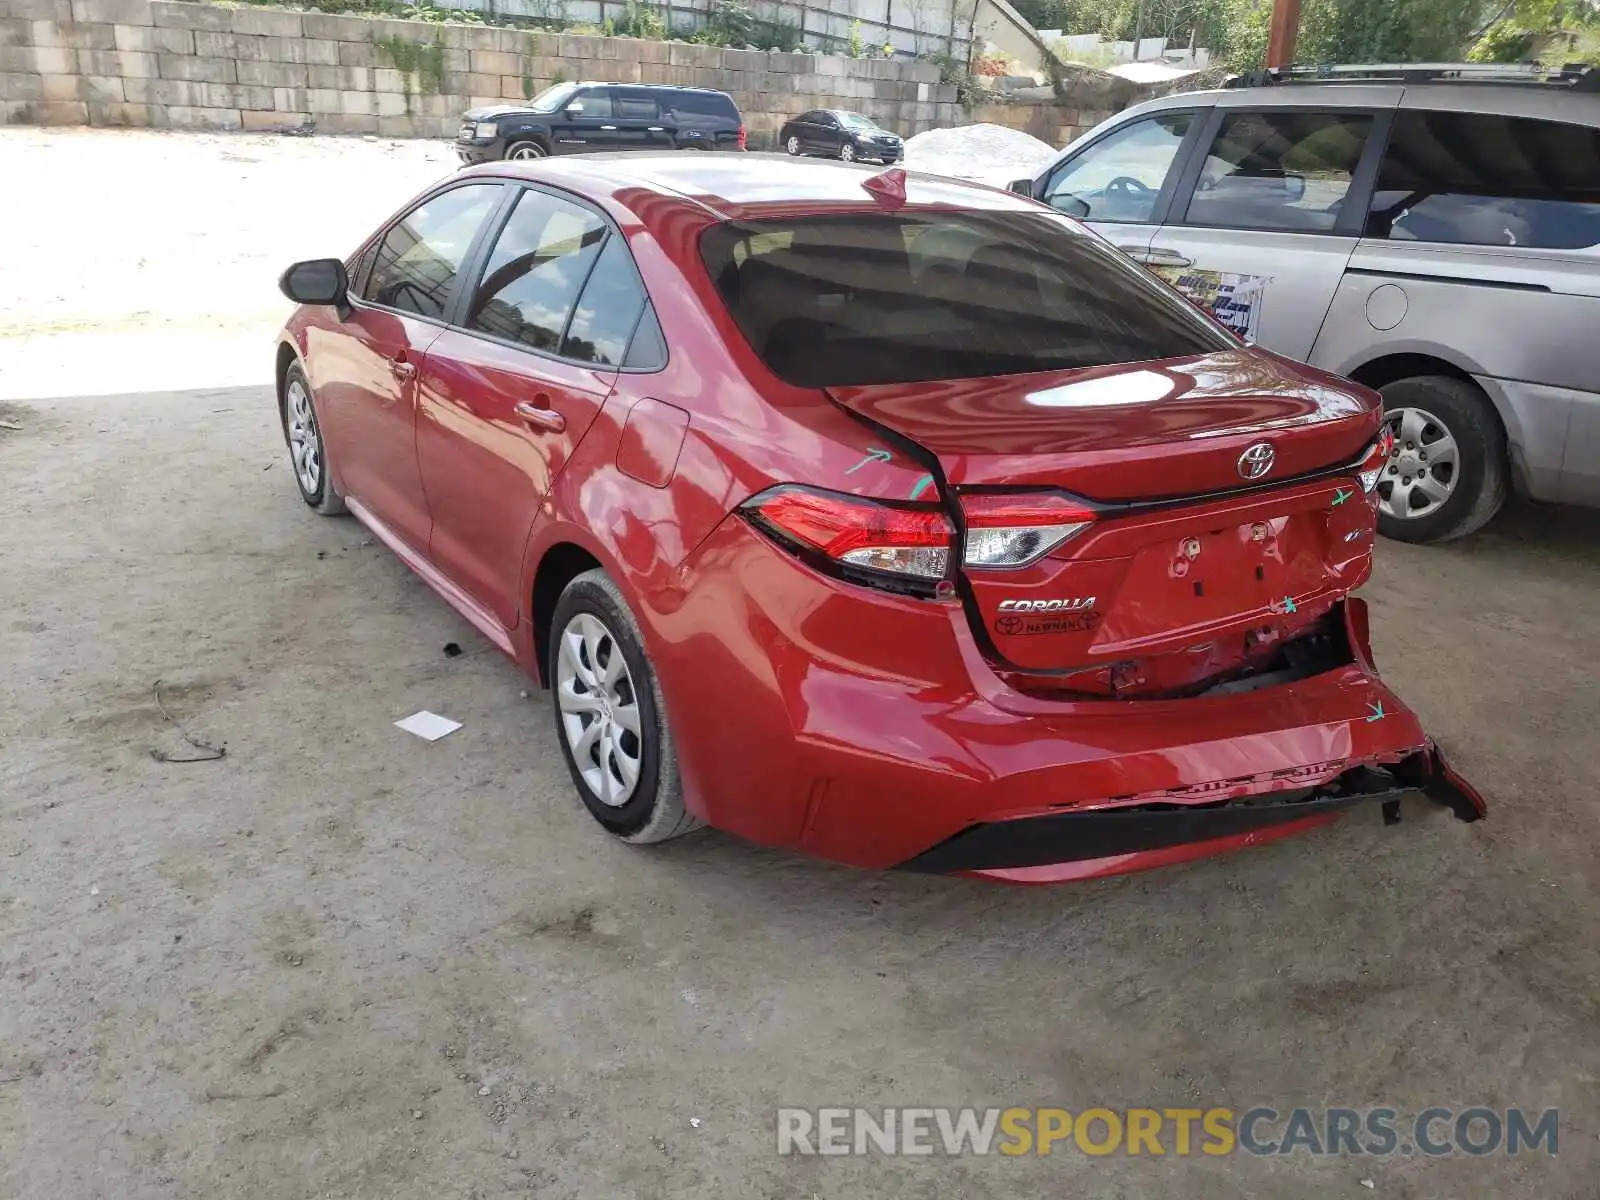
(1079, 836)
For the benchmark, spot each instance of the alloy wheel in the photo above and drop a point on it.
(526, 150)
(847, 152)
(305, 445)
(599, 709)
(792, 145)
(1423, 468)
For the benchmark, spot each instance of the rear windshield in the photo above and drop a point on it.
(836, 301)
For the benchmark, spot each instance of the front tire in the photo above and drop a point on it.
(523, 151)
(610, 718)
(1448, 474)
(308, 452)
(793, 147)
(847, 152)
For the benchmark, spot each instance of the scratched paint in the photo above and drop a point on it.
(874, 454)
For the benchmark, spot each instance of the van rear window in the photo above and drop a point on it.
(839, 301)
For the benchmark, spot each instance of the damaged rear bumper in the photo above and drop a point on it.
(1074, 845)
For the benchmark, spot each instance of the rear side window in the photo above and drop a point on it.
(414, 268)
(1287, 170)
(701, 105)
(862, 299)
(608, 310)
(540, 261)
(635, 106)
(1483, 180)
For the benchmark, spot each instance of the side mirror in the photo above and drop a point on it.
(575, 109)
(317, 281)
(1022, 187)
(1294, 187)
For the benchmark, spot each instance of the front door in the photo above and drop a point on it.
(586, 123)
(1267, 216)
(372, 364)
(1120, 184)
(514, 384)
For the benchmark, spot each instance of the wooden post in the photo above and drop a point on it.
(1285, 26)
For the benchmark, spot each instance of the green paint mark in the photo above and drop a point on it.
(1340, 496)
(923, 485)
(873, 455)
(1288, 605)
(1377, 712)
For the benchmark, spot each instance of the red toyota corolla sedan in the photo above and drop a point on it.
(894, 519)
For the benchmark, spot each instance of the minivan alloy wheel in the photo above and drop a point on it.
(305, 446)
(1423, 469)
(599, 709)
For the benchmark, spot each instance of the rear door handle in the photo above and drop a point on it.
(1160, 256)
(401, 369)
(543, 418)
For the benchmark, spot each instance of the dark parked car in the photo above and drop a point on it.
(581, 118)
(837, 134)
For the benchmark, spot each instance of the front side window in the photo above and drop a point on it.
(1119, 177)
(596, 102)
(540, 260)
(1483, 180)
(834, 301)
(1288, 170)
(416, 264)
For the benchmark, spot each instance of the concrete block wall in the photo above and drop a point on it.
(170, 64)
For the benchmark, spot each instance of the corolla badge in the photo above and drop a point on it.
(1256, 461)
(1069, 604)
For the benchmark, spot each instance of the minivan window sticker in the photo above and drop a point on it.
(1233, 299)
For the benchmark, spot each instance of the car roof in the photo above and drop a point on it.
(651, 87)
(741, 186)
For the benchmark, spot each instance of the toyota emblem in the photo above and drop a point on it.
(1256, 461)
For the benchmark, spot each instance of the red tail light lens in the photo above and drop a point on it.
(909, 541)
(1374, 460)
(1006, 532)
(744, 138)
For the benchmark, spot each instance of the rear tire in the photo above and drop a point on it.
(793, 147)
(525, 150)
(1464, 483)
(610, 718)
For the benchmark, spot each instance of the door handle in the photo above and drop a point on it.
(401, 369)
(543, 418)
(1160, 256)
(655, 129)
(612, 128)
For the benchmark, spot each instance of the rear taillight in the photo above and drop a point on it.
(1007, 531)
(905, 540)
(744, 138)
(1373, 461)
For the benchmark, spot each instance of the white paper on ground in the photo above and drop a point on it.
(429, 726)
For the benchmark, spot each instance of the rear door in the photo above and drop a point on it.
(1121, 183)
(1268, 212)
(638, 120)
(515, 382)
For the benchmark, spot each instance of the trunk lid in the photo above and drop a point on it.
(1189, 570)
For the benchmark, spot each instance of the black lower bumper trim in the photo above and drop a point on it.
(1078, 836)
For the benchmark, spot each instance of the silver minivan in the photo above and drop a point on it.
(1431, 232)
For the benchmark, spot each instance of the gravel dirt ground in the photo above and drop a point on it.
(344, 962)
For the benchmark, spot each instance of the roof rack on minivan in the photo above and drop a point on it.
(1579, 77)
